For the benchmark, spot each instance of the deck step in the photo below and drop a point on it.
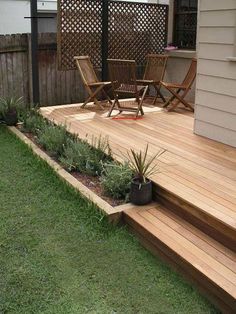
(218, 225)
(206, 262)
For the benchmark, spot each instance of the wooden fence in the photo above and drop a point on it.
(56, 87)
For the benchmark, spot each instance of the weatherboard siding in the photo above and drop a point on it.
(215, 109)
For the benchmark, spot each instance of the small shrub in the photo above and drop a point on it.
(80, 156)
(11, 104)
(33, 123)
(10, 108)
(102, 147)
(116, 179)
(53, 138)
(75, 155)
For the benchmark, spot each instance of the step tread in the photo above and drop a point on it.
(203, 203)
(206, 255)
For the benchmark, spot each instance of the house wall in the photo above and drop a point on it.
(215, 108)
(13, 13)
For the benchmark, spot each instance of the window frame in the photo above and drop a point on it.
(174, 33)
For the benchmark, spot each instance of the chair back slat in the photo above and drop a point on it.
(86, 69)
(123, 74)
(191, 74)
(155, 67)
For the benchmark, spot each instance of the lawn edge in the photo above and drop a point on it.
(113, 213)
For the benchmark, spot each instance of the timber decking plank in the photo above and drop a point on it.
(200, 259)
(197, 237)
(186, 250)
(207, 288)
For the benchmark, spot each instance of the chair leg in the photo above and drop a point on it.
(89, 99)
(140, 104)
(166, 104)
(107, 97)
(92, 96)
(158, 94)
(115, 104)
(180, 99)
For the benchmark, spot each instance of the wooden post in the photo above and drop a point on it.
(34, 52)
(105, 8)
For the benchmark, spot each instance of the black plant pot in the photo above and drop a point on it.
(140, 193)
(11, 118)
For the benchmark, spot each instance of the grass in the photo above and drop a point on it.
(59, 255)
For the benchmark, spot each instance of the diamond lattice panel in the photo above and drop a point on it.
(136, 29)
(80, 31)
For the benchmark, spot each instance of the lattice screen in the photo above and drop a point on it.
(134, 30)
(80, 31)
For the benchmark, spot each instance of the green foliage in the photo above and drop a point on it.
(142, 165)
(11, 104)
(116, 180)
(102, 147)
(75, 156)
(53, 138)
(32, 122)
(80, 156)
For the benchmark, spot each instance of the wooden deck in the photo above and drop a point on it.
(196, 186)
(204, 261)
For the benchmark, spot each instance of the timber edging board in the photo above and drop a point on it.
(113, 213)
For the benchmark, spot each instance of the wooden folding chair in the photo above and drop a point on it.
(154, 73)
(179, 91)
(93, 86)
(124, 83)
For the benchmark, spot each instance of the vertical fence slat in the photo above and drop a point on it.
(56, 87)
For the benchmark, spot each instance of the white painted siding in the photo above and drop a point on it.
(215, 109)
(12, 13)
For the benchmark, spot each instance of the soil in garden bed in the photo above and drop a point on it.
(93, 183)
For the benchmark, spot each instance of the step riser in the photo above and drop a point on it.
(214, 293)
(208, 224)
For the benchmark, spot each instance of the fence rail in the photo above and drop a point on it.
(56, 87)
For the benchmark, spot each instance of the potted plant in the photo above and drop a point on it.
(9, 108)
(143, 167)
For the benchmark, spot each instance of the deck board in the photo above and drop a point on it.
(205, 261)
(199, 170)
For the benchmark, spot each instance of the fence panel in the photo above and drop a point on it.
(14, 66)
(56, 87)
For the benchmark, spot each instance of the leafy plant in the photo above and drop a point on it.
(81, 156)
(11, 104)
(32, 122)
(102, 147)
(142, 165)
(75, 156)
(53, 138)
(116, 179)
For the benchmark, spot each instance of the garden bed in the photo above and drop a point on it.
(91, 182)
(82, 183)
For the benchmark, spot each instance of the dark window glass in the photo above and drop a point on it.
(185, 27)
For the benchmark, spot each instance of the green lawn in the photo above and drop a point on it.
(58, 255)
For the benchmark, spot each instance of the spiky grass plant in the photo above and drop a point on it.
(142, 165)
(10, 104)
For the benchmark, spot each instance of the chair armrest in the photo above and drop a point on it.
(146, 81)
(99, 84)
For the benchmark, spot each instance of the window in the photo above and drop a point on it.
(185, 24)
